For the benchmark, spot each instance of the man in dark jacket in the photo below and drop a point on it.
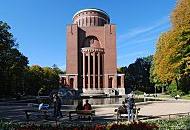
(57, 105)
(130, 107)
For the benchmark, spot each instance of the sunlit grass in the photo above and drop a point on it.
(186, 97)
(164, 96)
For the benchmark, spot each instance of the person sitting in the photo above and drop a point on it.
(87, 106)
(122, 109)
(79, 106)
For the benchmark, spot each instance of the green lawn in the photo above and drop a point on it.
(180, 123)
(164, 96)
(186, 97)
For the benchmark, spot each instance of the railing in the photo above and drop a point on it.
(176, 114)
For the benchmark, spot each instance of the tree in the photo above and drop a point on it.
(15, 76)
(34, 79)
(154, 80)
(173, 49)
(163, 68)
(180, 17)
(57, 69)
(41, 80)
(51, 80)
(121, 70)
(138, 73)
(12, 63)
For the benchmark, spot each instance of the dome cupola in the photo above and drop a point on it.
(91, 17)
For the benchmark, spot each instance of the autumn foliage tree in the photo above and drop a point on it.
(172, 57)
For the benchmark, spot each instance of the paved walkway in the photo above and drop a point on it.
(106, 112)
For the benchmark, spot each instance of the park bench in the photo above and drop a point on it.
(82, 113)
(36, 112)
(124, 115)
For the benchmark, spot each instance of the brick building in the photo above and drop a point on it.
(91, 55)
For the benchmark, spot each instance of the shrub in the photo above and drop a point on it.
(177, 92)
(128, 126)
(172, 90)
(100, 127)
(137, 92)
(133, 126)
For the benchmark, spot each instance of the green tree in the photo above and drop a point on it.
(12, 63)
(51, 80)
(34, 79)
(121, 70)
(41, 80)
(138, 73)
(57, 69)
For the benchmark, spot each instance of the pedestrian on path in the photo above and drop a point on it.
(130, 107)
(57, 105)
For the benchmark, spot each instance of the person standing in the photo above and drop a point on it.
(57, 105)
(130, 107)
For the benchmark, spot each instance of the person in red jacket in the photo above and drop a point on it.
(87, 106)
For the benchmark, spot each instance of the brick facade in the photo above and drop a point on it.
(91, 54)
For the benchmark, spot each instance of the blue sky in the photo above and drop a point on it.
(39, 26)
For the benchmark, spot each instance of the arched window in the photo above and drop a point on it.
(91, 41)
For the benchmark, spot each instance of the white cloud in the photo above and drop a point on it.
(133, 33)
(137, 41)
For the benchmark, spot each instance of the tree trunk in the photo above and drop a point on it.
(177, 83)
(162, 89)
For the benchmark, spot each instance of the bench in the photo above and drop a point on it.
(123, 115)
(84, 113)
(29, 112)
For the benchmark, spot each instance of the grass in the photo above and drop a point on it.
(164, 96)
(186, 97)
(180, 123)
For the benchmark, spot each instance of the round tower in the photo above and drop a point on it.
(91, 17)
(91, 65)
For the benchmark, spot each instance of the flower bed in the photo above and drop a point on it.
(88, 126)
(133, 126)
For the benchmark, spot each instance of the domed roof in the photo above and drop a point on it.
(91, 17)
(91, 9)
